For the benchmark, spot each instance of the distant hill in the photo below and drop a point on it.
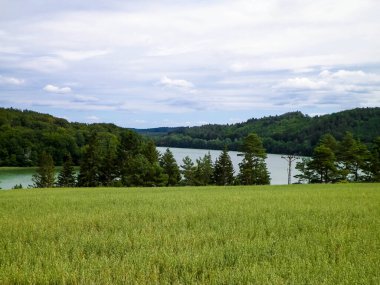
(290, 133)
(25, 134)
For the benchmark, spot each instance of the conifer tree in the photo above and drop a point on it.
(170, 168)
(353, 156)
(223, 169)
(374, 168)
(66, 177)
(204, 170)
(323, 163)
(45, 173)
(188, 171)
(90, 164)
(253, 169)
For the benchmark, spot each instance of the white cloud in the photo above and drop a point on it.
(340, 81)
(45, 64)
(302, 83)
(11, 80)
(356, 76)
(85, 98)
(343, 89)
(55, 89)
(176, 83)
(77, 55)
(93, 118)
(228, 55)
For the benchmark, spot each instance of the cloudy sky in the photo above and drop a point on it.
(153, 63)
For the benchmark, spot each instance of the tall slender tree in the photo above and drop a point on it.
(188, 171)
(170, 167)
(66, 177)
(90, 165)
(204, 170)
(374, 168)
(253, 169)
(45, 173)
(353, 156)
(323, 163)
(223, 169)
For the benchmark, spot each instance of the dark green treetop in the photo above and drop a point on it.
(253, 169)
(66, 177)
(223, 169)
(170, 168)
(45, 173)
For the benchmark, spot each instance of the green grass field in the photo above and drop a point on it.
(298, 234)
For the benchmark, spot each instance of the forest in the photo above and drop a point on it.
(290, 133)
(25, 134)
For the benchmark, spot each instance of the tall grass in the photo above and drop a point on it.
(299, 234)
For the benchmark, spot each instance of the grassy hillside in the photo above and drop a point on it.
(298, 234)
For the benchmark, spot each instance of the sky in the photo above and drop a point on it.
(147, 63)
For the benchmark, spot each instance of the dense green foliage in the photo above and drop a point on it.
(253, 169)
(291, 133)
(223, 169)
(45, 173)
(336, 161)
(170, 168)
(297, 234)
(67, 177)
(128, 161)
(24, 135)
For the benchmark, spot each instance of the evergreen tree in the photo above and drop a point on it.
(143, 173)
(323, 164)
(170, 167)
(139, 162)
(45, 173)
(90, 165)
(253, 169)
(203, 174)
(374, 168)
(66, 177)
(188, 171)
(329, 141)
(223, 169)
(129, 147)
(353, 156)
(108, 170)
(306, 174)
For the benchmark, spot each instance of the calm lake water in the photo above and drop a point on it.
(10, 176)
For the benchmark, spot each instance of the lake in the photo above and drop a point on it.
(10, 176)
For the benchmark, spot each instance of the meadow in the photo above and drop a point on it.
(297, 234)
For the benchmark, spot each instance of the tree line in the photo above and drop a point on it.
(24, 135)
(290, 133)
(133, 161)
(347, 160)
